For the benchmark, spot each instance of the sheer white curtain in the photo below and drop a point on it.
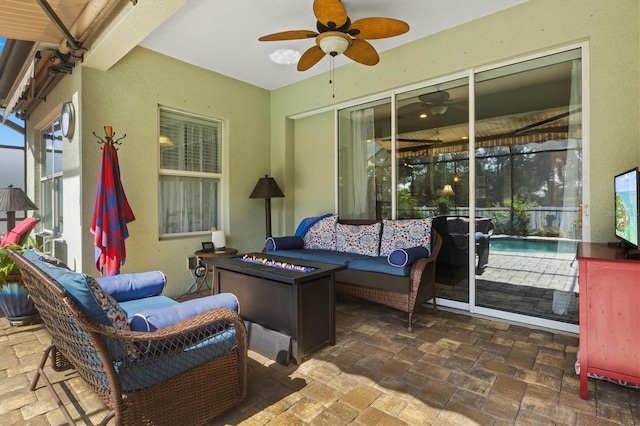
(573, 174)
(362, 130)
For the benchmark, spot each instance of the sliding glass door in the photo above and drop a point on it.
(497, 163)
(529, 183)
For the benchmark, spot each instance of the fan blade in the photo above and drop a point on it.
(310, 58)
(373, 28)
(289, 35)
(330, 13)
(363, 52)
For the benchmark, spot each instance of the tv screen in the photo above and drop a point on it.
(626, 207)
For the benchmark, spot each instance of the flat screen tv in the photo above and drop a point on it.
(626, 187)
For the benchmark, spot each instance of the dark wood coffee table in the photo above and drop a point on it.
(290, 313)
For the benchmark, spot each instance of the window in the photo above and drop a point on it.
(51, 179)
(190, 173)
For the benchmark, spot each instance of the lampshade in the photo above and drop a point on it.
(164, 141)
(333, 42)
(438, 109)
(448, 190)
(12, 199)
(266, 188)
(218, 240)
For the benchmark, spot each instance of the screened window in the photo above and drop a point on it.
(190, 173)
(51, 188)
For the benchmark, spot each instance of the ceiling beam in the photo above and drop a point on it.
(135, 24)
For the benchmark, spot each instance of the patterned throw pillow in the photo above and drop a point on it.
(322, 235)
(115, 313)
(360, 239)
(405, 233)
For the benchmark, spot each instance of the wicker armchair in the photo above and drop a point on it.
(185, 373)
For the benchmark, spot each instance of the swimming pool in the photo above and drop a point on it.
(532, 245)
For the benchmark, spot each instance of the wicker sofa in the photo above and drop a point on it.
(367, 248)
(189, 365)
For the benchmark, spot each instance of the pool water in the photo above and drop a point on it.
(529, 245)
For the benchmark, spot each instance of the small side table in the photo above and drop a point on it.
(228, 252)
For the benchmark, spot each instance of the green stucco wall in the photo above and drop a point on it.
(127, 97)
(611, 29)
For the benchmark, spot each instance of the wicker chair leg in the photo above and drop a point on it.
(43, 361)
(108, 417)
(410, 328)
(54, 394)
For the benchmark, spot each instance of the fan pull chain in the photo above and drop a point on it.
(332, 75)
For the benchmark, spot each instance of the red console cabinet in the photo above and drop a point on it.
(609, 314)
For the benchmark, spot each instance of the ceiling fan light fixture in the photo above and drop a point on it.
(333, 42)
(438, 109)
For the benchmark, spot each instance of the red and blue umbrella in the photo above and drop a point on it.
(110, 214)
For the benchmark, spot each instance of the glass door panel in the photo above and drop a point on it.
(432, 162)
(364, 161)
(528, 184)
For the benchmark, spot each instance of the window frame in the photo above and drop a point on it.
(212, 178)
(51, 182)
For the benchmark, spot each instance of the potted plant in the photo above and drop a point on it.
(15, 300)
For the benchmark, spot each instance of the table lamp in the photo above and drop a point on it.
(12, 199)
(218, 240)
(267, 188)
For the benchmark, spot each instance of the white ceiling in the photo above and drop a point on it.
(222, 35)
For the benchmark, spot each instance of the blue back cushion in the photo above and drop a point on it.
(76, 285)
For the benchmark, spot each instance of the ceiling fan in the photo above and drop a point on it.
(436, 103)
(338, 35)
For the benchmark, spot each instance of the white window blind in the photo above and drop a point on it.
(190, 173)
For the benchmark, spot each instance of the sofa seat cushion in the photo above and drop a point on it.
(150, 369)
(132, 307)
(326, 256)
(359, 239)
(379, 264)
(405, 233)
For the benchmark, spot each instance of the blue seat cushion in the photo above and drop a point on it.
(125, 287)
(150, 370)
(318, 255)
(132, 307)
(379, 264)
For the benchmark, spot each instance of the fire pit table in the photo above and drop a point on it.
(289, 308)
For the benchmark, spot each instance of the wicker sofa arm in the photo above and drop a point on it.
(423, 270)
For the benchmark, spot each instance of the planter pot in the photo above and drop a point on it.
(16, 302)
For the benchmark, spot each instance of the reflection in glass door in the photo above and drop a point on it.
(433, 174)
(528, 184)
